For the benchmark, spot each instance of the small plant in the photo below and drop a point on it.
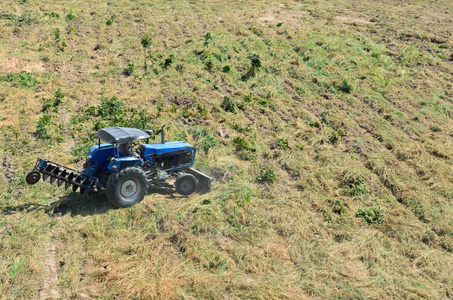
(371, 215)
(110, 107)
(346, 86)
(356, 185)
(42, 127)
(242, 144)
(129, 69)
(256, 64)
(324, 117)
(57, 34)
(336, 136)
(417, 208)
(209, 64)
(338, 207)
(109, 21)
(314, 124)
(207, 37)
(24, 79)
(266, 176)
(71, 16)
(146, 43)
(228, 105)
(300, 147)
(226, 69)
(168, 61)
(282, 144)
(208, 143)
(52, 15)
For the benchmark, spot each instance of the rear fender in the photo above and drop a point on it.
(124, 162)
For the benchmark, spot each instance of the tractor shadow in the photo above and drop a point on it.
(75, 204)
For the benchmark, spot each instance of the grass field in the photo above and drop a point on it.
(327, 125)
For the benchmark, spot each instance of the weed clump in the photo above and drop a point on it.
(205, 138)
(355, 185)
(266, 176)
(282, 144)
(129, 69)
(346, 86)
(338, 207)
(255, 65)
(24, 79)
(371, 215)
(228, 105)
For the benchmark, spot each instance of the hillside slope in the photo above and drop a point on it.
(327, 125)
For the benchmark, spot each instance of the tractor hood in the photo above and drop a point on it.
(169, 147)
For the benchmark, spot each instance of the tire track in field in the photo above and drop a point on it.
(49, 288)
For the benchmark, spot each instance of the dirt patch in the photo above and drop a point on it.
(50, 289)
(353, 20)
(8, 169)
(16, 65)
(181, 101)
(266, 19)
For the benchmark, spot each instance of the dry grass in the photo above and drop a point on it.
(351, 109)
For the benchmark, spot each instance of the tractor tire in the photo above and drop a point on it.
(127, 187)
(186, 184)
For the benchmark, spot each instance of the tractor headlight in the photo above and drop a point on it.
(114, 167)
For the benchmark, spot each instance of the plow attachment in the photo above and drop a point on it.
(204, 181)
(59, 174)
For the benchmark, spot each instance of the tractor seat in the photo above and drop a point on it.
(124, 150)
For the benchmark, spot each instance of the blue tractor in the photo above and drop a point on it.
(112, 166)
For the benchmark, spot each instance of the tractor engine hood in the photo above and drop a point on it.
(162, 149)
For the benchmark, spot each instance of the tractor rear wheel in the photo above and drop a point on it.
(186, 184)
(127, 187)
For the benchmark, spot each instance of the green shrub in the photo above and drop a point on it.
(42, 127)
(146, 41)
(282, 144)
(109, 21)
(266, 176)
(24, 79)
(335, 136)
(129, 69)
(338, 207)
(168, 61)
(346, 86)
(71, 16)
(242, 144)
(228, 105)
(208, 143)
(371, 215)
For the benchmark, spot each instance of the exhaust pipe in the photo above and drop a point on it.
(162, 135)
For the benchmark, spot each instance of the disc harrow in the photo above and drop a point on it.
(59, 174)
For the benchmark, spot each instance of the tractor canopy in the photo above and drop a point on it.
(120, 135)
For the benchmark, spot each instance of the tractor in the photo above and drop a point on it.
(112, 166)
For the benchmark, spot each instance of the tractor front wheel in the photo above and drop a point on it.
(186, 184)
(127, 187)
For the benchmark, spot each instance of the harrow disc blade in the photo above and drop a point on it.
(74, 188)
(59, 182)
(45, 177)
(67, 185)
(52, 180)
